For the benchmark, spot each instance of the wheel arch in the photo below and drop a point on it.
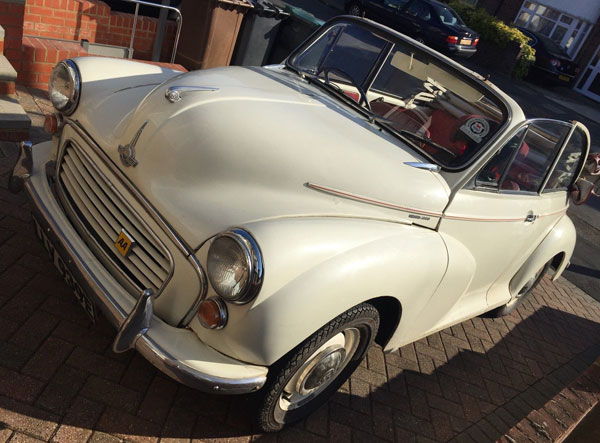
(390, 313)
(556, 247)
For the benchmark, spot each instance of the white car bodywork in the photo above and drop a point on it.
(339, 215)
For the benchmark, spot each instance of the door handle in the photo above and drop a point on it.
(530, 218)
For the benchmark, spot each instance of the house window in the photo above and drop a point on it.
(568, 32)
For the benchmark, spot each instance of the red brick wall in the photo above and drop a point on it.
(40, 56)
(11, 19)
(93, 20)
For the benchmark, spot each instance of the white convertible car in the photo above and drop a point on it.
(257, 229)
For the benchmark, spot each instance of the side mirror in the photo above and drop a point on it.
(588, 183)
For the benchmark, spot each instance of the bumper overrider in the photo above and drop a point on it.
(177, 352)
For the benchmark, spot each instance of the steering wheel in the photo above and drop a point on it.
(363, 95)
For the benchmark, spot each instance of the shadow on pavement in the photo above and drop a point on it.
(595, 273)
(436, 388)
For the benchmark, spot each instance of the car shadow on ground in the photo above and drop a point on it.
(584, 270)
(436, 388)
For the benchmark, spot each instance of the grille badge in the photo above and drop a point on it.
(124, 243)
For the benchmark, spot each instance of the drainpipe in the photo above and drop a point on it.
(160, 31)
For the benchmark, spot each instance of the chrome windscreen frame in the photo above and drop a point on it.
(181, 245)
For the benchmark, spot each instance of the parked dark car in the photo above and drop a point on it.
(552, 64)
(427, 21)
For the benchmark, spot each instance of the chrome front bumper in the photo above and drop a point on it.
(177, 352)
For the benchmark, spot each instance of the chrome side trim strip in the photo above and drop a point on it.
(371, 201)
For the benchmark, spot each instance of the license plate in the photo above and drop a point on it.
(86, 303)
(563, 78)
(465, 41)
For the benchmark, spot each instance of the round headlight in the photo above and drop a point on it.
(64, 86)
(235, 266)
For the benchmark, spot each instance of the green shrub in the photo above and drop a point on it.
(496, 31)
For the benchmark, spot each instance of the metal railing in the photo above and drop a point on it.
(135, 17)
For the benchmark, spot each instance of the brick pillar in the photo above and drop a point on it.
(12, 13)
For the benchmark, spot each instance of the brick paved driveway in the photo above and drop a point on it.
(59, 380)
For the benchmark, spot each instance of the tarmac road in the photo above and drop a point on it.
(584, 271)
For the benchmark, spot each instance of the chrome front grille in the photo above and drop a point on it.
(102, 213)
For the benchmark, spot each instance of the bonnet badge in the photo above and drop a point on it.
(127, 152)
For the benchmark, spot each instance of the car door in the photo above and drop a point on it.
(386, 11)
(415, 18)
(512, 203)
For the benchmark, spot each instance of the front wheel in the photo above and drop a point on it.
(523, 293)
(355, 9)
(305, 377)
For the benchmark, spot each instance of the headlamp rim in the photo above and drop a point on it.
(75, 76)
(254, 261)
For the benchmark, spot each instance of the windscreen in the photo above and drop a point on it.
(436, 110)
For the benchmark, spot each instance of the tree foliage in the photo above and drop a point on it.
(496, 31)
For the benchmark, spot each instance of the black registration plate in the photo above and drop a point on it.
(86, 303)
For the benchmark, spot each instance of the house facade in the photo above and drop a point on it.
(572, 24)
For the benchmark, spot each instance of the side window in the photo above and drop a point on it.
(491, 173)
(420, 10)
(569, 162)
(522, 164)
(532, 162)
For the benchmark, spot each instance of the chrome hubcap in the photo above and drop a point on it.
(527, 286)
(320, 369)
(354, 10)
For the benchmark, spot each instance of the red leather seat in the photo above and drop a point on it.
(402, 118)
(443, 129)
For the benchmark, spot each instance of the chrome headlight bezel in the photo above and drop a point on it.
(253, 261)
(70, 67)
